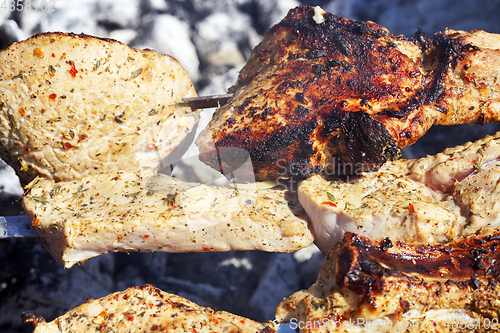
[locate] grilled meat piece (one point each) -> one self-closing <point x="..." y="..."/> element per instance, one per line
<point x="399" y="287"/>
<point x="144" y="309"/>
<point x="432" y="199"/>
<point x="72" y="105"/>
<point x="321" y="91"/>
<point x="77" y="220"/>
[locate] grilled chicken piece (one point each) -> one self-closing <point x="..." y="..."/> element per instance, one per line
<point x="144" y="309"/>
<point x="397" y="287"/>
<point x="321" y="91"/>
<point x="72" y="105"/>
<point x="432" y="199"/>
<point x="77" y="220"/>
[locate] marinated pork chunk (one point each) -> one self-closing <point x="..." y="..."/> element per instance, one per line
<point x="145" y="309"/>
<point x="433" y="199"/>
<point x="370" y="286"/>
<point x="72" y="105"/>
<point x="321" y="89"/>
<point x="79" y="219"/>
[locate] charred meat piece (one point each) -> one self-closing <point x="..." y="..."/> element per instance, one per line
<point x="402" y="288"/>
<point x="144" y="309"/>
<point x="73" y="105"/>
<point x="321" y="90"/>
<point x="432" y="199"/>
<point x="77" y="220"/>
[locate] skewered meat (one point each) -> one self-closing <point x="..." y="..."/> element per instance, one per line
<point x="432" y="199"/>
<point x="321" y="90"/>
<point x="72" y="105"/>
<point x="397" y="287"/>
<point x="145" y="309"/>
<point x="77" y="220"/>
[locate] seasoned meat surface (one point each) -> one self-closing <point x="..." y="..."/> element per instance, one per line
<point x="397" y="287"/>
<point x="324" y="92"/>
<point x="73" y="105"/>
<point x="145" y="309"/>
<point x="432" y="199"/>
<point x="77" y="220"/>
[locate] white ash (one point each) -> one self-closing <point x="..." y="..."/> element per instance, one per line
<point x="170" y="35"/>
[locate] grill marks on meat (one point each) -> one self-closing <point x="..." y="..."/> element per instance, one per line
<point x="145" y="309"/>
<point x="397" y="282"/>
<point x="321" y="91"/>
<point x="432" y="199"/>
<point x="73" y="105"/>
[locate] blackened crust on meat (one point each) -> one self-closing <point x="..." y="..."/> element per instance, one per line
<point x="361" y="278"/>
<point x="361" y="261"/>
<point x="403" y="277"/>
<point x="287" y="148"/>
<point x="368" y="267"/>
<point x="362" y="138"/>
<point x="310" y="86"/>
<point x="336" y="90"/>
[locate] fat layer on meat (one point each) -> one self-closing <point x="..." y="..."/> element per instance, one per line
<point x="385" y="286"/>
<point x="72" y="105"/>
<point x="430" y="200"/>
<point x="77" y="220"/>
<point x="145" y="309"/>
<point x="321" y="89"/>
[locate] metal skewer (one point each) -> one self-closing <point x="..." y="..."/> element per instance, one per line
<point x="203" y="102"/>
<point x="16" y="227"/>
